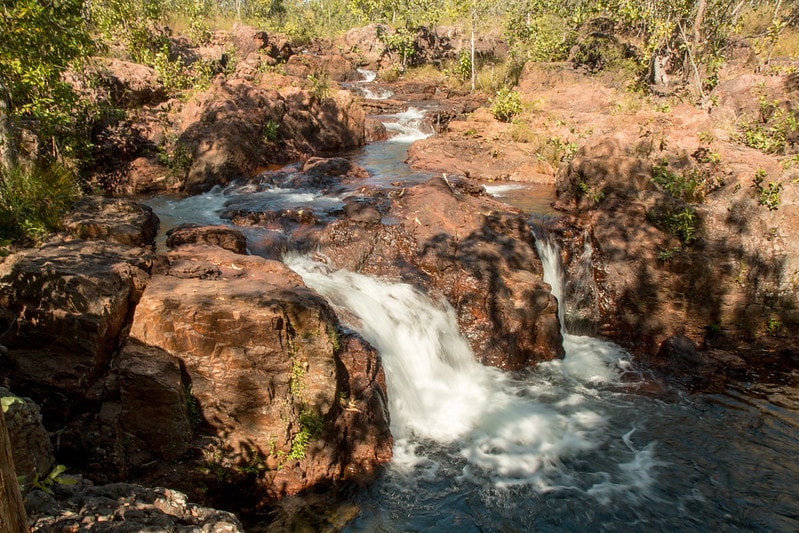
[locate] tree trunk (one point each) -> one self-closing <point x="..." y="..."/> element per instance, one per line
<point x="8" y="147"/>
<point x="697" y="29"/>
<point x="474" y="67"/>
<point x="12" y="510"/>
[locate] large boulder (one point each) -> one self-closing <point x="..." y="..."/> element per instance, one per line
<point x="30" y="442"/>
<point x="63" y="307"/>
<point x="267" y="370"/>
<point x="117" y="220"/>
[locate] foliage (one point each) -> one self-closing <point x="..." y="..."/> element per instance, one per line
<point x="271" y="131"/>
<point x="320" y="85"/>
<point x="691" y="186"/>
<point x="768" y="194"/>
<point x="506" y="104"/>
<point x="33" y="201"/>
<point x="401" y="41"/>
<point x="44" y="484"/>
<point x="7" y="401"/>
<point x="41" y="40"/>
<point x="682" y="224"/>
<point x="771" y="131"/>
<point x="130" y="23"/>
<point x="177" y="156"/>
<point x="311" y="425"/>
<point x="593" y="192"/>
<point x="463" y="69"/>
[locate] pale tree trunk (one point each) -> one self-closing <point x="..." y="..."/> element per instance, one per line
<point x="12" y="510"/>
<point x="474" y="67"/>
<point x="8" y="147"/>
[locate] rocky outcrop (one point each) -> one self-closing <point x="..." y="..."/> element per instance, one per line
<point x="715" y="266"/>
<point x="239" y="125"/>
<point x="116" y="220"/>
<point x="129" y="84"/>
<point x="207" y="369"/>
<point x="445" y="236"/>
<point x="333" y="66"/>
<point x="268" y="371"/>
<point x="123" y="507"/>
<point x="64" y="307"/>
<point x="30" y="443"/>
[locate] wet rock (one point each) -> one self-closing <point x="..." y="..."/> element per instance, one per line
<point x="482" y="261"/>
<point x="362" y="212"/>
<point x="222" y="236"/>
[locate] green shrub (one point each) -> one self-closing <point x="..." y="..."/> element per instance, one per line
<point x="691" y="186"/>
<point x="768" y="194"/>
<point x="33" y="201"/>
<point x="311" y="425"/>
<point x="771" y="131"/>
<point x="506" y="104"/>
<point x="320" y="86"/>
<point x="682" y="224"/>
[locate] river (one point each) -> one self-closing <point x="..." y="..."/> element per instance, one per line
<point x="590" y="443"/>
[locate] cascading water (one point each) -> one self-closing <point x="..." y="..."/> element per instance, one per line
<point x="571" y="446"/>
<point x="370" y="93"/>
<point x="455" y="418"/>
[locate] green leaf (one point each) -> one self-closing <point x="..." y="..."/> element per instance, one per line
<point x="8" y="401"/>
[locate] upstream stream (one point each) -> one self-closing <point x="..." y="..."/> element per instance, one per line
<point x="582" y="444"/>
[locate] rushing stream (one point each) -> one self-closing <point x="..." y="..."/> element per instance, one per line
<point x="582" y="444"/>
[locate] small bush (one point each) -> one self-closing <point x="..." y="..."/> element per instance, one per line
<point x="320" y="86"/>
<point x="506" y="104"/>
<point x="773" y="129"/>
<point x="768" y="193"/>
<point x="690" y="186"/>
<point x="33" y="201"/>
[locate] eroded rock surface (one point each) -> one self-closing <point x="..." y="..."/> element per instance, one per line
<point x="123" y="507"/>
<point x="65" y="305"/>
<point x="446" y="236"/>
<point x="267" y="369"/>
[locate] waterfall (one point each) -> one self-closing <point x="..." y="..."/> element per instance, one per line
<point x="408" y="126"/>
<point x="588" y="358"/>
<point x="507" y="429"/>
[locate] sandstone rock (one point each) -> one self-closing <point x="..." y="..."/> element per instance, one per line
<point x="30" y="443"/>
<point x="335" y="66"/>
<point x="122" y="221"/>
<point x="153" y="400"/>
<point x="224" y="129"/>
<point x="222" y="236"/>
<point x="123" y="507"/>
<point x="268" y="369"/>
<point x="131" y="84"/>
<point x="64" y="306"/>
<point x="484" y="263"/>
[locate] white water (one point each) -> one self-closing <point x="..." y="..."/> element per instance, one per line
<point x="368" y="75"/>
<point x="369" y="93"/>
<point x="506" y="430"/>
<point x="408" y="126"/>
